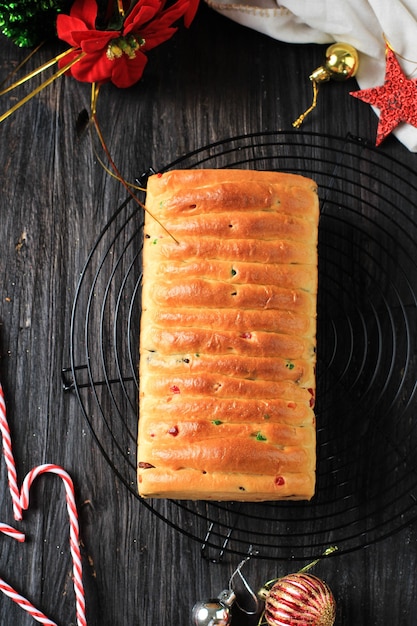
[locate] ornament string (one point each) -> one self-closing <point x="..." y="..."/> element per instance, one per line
<point x="252" y="594"/>
<point x="398" y="55"/>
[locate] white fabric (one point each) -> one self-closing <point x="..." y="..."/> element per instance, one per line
<point x="361" y="23"/>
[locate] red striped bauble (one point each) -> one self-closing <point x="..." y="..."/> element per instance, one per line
<point x="300" y="600"/>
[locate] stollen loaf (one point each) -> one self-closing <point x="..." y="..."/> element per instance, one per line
<point x="228" y="336"/>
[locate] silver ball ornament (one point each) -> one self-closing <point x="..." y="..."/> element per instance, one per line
<point x="215" y="611"/>
<point x="211" y="613"/>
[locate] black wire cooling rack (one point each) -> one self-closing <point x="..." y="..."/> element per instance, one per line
<point x="367" y="352"/>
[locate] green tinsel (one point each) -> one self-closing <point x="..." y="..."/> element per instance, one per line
<point x="28" y="22"/>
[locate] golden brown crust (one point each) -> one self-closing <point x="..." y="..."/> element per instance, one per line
<point x="284" y="322"/>
<point x="223" y="387"/>
<point x="198" y="430"/>
<point x="190" y="484"/>
<point x="227" y="379"/>
<point x="269" y="226"/>
<point x="235" y="455"/>
<point x="239" y="273"/>
<point x="198" y="191"/>
<point x="256" y="251"/>
<point x="232" y="365"/>
<point x="237" y="410"/>
<point x="223" y="295"/>
<point x="226" y="342"/>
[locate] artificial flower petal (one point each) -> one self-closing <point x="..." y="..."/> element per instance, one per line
<point x="125" y="74"/>
<point x="190" y="13"/>
<point x="68" y="27"/>
<point x="96" y="41"/>
<point x="142" y="13"/>
<point x="85" y="11"/>
<point x="119" y="55"/>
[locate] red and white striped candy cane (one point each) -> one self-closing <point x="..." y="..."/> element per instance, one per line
<point x="21" y="502"/>
<point x="9" y="458"/>
<point x="12" y="532"/>
<point x="12" y="593"/>
<point x="74" y="528"/>
<point x="25" y="604"/>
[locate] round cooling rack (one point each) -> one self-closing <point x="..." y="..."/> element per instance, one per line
<point x="366" y="347"/>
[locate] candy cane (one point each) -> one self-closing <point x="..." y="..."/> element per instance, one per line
<point x="11" y="532"/>
<point x="25" y="604"/>
<point x="9" y="458"/>
<point x="21" y="502"/>
<point x="74" y="529"/>
<point x="11" y="593"/>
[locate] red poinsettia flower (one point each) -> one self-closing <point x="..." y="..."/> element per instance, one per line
<point x="118" y="56"/>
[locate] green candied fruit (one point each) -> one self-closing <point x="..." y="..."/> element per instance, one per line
<point x="259" y="436"/>
<point x="233" y="272"/>
<point x="155" y="241"/>
<point x="267" y="416"/>
<point x="217" y="422"/>
<point x="290" y="365"/>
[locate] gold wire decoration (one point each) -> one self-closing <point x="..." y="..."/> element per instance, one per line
<point x="95" y="90"/>
<point x="116" y="174"/>
<point x="42" y="86"/>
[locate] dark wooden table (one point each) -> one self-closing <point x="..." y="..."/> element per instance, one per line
<point x="216" y="80"/>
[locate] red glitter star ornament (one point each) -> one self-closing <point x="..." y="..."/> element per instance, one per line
<point x="396" y="98"/>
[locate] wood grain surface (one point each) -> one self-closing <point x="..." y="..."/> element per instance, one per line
<point x="214" y="81"/>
